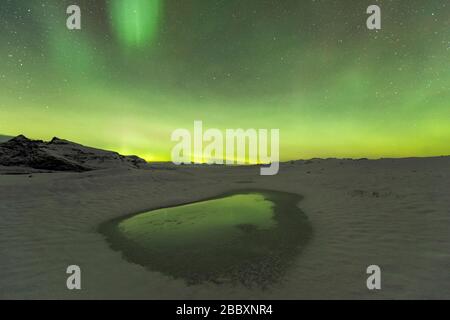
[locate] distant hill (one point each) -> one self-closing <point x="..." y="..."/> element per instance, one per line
<point x="61" y="155"/>
<point x="4" y="138"/>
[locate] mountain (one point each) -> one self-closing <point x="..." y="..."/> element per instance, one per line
<point x="61" y="155"/>
<point x="4" y="138"/>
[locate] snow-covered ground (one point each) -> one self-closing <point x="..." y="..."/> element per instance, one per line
<point x="392" y="213"/>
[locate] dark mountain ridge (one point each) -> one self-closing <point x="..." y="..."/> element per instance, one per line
<point x="61" y="155"/>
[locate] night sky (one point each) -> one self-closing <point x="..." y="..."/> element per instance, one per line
<point x="139" y="69"/>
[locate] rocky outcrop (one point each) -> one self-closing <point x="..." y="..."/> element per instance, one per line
<point x="61" y="155"/>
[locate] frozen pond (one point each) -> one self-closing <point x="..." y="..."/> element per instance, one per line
<point x="246" y="237"/>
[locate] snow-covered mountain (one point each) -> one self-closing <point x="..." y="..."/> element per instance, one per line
<point x="61" y="155"/>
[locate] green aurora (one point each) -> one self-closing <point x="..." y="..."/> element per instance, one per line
<point x="137" y="71"/>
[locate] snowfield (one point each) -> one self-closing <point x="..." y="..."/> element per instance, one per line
<point x="394" y="213"/>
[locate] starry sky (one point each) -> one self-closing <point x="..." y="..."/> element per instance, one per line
<point x="139" y="69"/>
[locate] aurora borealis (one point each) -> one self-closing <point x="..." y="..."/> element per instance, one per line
<point x="139" y="69"/>
<point x="135" y="22"/>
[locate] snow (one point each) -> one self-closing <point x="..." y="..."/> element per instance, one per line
<point x="391" y="212"/>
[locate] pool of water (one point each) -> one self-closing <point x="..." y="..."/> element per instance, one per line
<point x="246" y="237"/>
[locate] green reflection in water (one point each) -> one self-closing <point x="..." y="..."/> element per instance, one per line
<point x="247" y="237"/>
